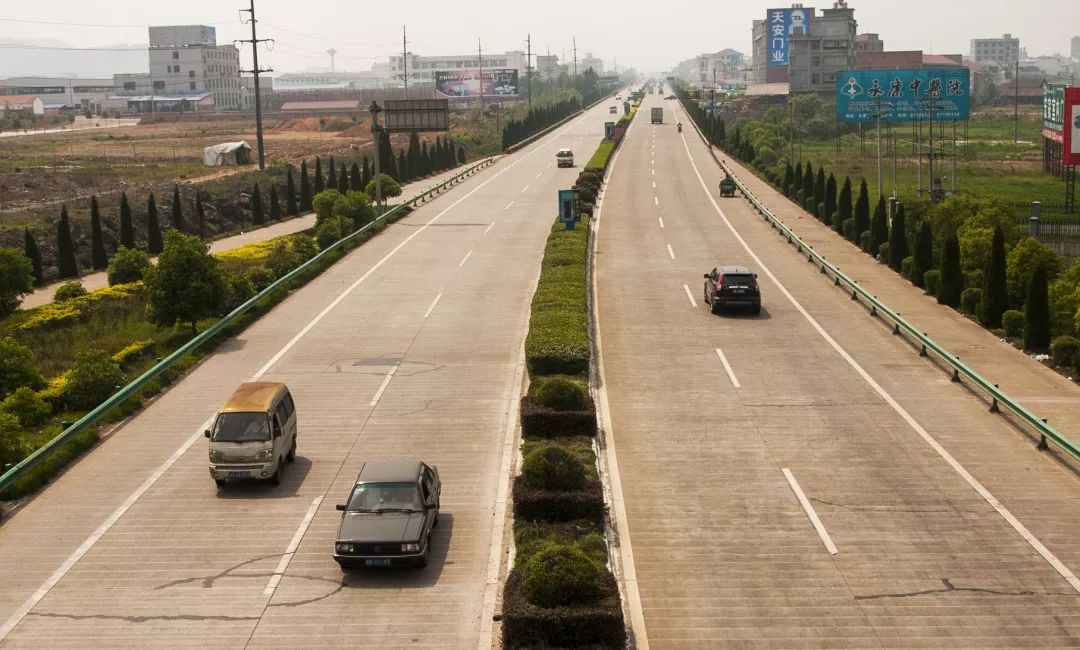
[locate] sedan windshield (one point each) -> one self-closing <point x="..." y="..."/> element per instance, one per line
<point x="241" y="427"/>
<point x="376" y="497"/>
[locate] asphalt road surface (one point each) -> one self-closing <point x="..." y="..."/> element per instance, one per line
<point x="409" y="347"/>
<point x="803" y="478"/>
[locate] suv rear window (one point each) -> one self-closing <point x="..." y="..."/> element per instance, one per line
<point x="738" y="281"/>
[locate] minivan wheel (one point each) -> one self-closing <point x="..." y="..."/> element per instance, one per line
<point x="291" y="456"/>
<point x="276" y="478"/>
<point x="220" y="482"/>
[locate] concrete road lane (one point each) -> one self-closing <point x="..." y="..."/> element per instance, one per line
<point x="135" y="546"/>
<point x="736" y="434"/>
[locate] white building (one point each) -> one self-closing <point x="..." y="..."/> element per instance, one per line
<point x="18" y="103"/>
<point x="548" y="67"/>
<point x="424" y="67"/>
<point x="1004" y="50"/>
<point x="186" y="60"/>
<point x="72" y="93"/>
<point x="590" y="61"/>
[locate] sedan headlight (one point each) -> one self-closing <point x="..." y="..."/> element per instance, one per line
<point x="217" y="456"/>
<point x="410" y="548"/>
<point x="342" y="547"/>
<point x="264" y="454"/>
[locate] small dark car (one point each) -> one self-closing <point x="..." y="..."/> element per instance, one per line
<point x="389" y="515"/>
<point x="732" y="286"/>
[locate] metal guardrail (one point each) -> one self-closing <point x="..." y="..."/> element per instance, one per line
<point x="90" y="419"/>
<point x="960" y="370"/>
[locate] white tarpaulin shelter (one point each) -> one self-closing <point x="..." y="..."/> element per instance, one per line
<point x="227" y="153"/>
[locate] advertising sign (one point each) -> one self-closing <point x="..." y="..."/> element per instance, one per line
<point x="609" y="129"/>
<point x="1071" y="153"/>
<point x="568" y="212"/>
<point x="417" y="114"/>
<point x="903" y="95"/>
<point x="1054" y="107"/>
<point x="780" y="26"/>
<point x="465" y="84"/>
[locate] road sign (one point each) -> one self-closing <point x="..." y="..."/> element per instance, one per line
<point x="903" y="95"/>
<point x="609" y="129"/>
<point x="781" y="25"/>
<point x="568" y="207"/>
<point x="1071" y="152"/>
<point x="417" y="115"/>
<point x="1054" y="107"/>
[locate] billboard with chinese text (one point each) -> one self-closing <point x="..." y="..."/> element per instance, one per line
<point x="780" y="26"/>
<point x="1054" y="107"/>
<point x="466" y="84"/>
<point x="903" y="95"/>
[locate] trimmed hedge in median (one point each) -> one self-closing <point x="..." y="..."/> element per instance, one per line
<point x="599" y="623"/>
<point x="558" y="340"/>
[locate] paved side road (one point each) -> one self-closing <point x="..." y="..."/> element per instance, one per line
<point x="99" y="280"/>
<point x="803" y="479"/>
<point x="410" y="346"/>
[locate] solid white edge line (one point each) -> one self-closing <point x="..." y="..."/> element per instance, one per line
<point x="727" y="367"/>
<point x="693" y="303"/>
<point x="618" y="502"/>
<point x="809" y="510"/>
<point x="508" y="205"/>
<point x="115" y="516"/>
<point x="430" y="309"/>
<point x="490" y="226"/>
<point x="465" y="259"/>
<point x="385" y="383"/>
<point x="1022" y="530"/>
<point x="670" y="252"/>
<point x="661" y="219"/>
<point x="290" y="550"/>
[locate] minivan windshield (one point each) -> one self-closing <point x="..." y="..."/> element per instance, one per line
<point x="564" y="153"/>
<point x="380" y="497"/>
<point x="241" y="427"/>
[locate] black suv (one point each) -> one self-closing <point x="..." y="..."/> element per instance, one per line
<point x="389" y="515"/>
<point x="732" y="286"/>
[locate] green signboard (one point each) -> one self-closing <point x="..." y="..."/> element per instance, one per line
<point x="1054" y="107"/>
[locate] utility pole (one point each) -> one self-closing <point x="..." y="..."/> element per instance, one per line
<point x="930" y="116"/>
<point x="575" y="56"/>
<point x="528" y="65"/>
<point x="405" y="61"/>
<point x="255" y="70"/>
<point x="376" y="131"/>
<point x="480" y="62"/>
<point x="1016" y="103"/>
<point x="881" y="191"/>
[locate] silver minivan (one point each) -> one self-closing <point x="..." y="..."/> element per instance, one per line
<point x="564" y="158"/>
<point x="254" y="434"/>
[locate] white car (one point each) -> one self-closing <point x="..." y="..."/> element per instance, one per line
<point x="564" y="158"/>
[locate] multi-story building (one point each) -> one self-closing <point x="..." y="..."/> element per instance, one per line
<point x="1075" y="48"/>
<point x="815" y="59"/>
<point x="71" y="93"/>
<point x="1004" y="50"/>
<point x="590" y="61"/>
<point x="548" y="67"/>
<point x="424" y="67"/>
<point x="869" y="43"/>
<point x="186" y="59"/>
<point x="720" y="68"/>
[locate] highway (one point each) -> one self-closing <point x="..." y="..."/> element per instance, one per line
<point x="409" y="347"/>
<point x="803" y="478"/>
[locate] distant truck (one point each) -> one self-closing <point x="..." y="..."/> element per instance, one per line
<point x="658" y="115"/>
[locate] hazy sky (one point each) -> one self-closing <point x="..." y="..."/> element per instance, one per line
<point x="651" y="35"/>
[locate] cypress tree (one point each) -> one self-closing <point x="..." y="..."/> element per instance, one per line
<point x="862" y="212"/>
<point x="331" y="176"/>
<point x="154" y="244"/>
<point x="797" y="180"/>
<point x="200" y="214"/>
<point x="355" y="180"/>
<point x="275" y="206"/>
<point x="952" y="278"/>
<point x="257" y="216"/>
<point x="924" y="254"/>
<point x="343" y="179"/>
<point x="830" y="198"/>
<point x="290" y="195"/>
<point x="844" y="208"/>
<point x="808" y="184"/>
<point x="65" y="247"/>
<point x="318" y="185"/>
<point x="414" y="155"/>
<point x="819" y="188"/>
<point x="879" y="230"/>
<point x="34" y="255"/>
<point x="461" y="155"/>
<point x="789" y="178"/>
<point x="365" y="172"/>
<point x="127" y="228"/>
<point x="995" y="295"/>
<point x="425" y="160"/>
<point x="305" y="187"/>
<point x="177" y="210"/>
<point x="99" y="258"/>
<point x="1037" y="312"/>
<point x="898" y="244"/>
<point x="403" y="167"/>
<point x="386" y="157"/>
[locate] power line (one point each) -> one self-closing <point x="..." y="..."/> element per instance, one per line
<point x="14" y="46"/>
<point x="324" y="39"/>
<point x="52" y="22"/>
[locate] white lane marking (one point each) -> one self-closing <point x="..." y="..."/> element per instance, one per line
<point x="656" y="200"/>
<point x="115" y="516"/>
<point x="549" y="165"/>
<point x="430" y="309"/>
<point x="465" y="259"/>
<point x="525" y="189"/>
<point x="654" y="172"/>
<point x="290" y="550"/>
<point x="661" y="220"/>
<point x="693" y="303"/>
<point x="540" y="174"/>
<point x="385" y="383"/>
<point x="1022" y="530"/>
<point x="727" y="367"/>
<point x="654" y="185"/>
<point x="818" y="526"/>
<point x="508" y="205"/>
<point x="652" y="162"/>
<point x="490" y="226"/>
<point x="670" y="252"/>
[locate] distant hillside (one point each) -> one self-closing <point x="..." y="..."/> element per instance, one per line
<point x="16" y="62"/>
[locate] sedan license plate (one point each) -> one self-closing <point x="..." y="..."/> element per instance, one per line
<point x="739" y="292"/>
<point x="239" y="474"/>
<point x="377" y="562"/>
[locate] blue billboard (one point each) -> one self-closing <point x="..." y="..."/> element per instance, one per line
<point x="903" y="95"/>
<point x="780" y="25"/>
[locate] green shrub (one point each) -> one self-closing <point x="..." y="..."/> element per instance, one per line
<point x="562" y="575"/>
<point x="587" y="195"/>
<point x="970" y="299"/>
<point x="17" y="273"/>
<point x="12" y="447"/>
<point x="16" y="367"/>
<point x="864" y="241"/>
<point x="238" y="290"/>
<point x="69" y="291"/>
<point x="304" y="247"/>
<point x="127" y="266"/>
<point x="390" y="187"/>
<point x="282" y="259"/>
<point x="561" y="394"/>
<point x="800" y="198"/>
<point x="94" y="377"/>
<point x="551" y="467"/>
<point x="1012" y="321"/>
<point x="260" y="277"/>
<point x="883" y="253"/>
<point x="932" y="281"/>
<point x="1076" y="365"/>
<point x="27" y="406"/>
<point x="323" y="203"/>
<point x="849" y="229"/>
<point x="558" y="339"/>
<point x="328" y="234"/>
<point x="906" y="265"/>
<point x="1064" y="349"/>
<point x="601" y="158"/>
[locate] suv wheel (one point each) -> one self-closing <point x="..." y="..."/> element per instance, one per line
<point x="291" y="456"/>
